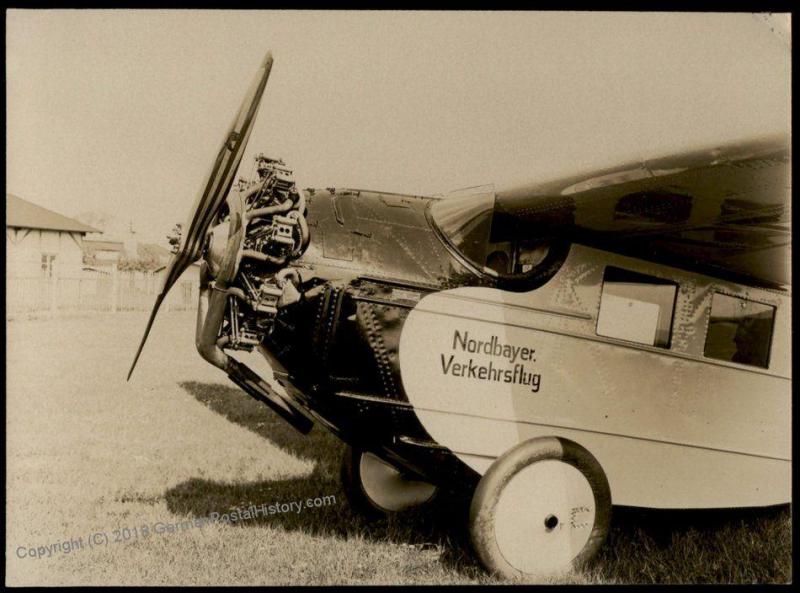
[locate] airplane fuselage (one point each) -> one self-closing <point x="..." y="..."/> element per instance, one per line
<point x="400" y="348"/>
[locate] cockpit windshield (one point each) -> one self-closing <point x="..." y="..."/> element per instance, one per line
<point x="465" y="219"/>
<point x="470" y="222"/>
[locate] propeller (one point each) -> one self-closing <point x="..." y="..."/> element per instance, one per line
<point x="213" y="192"/>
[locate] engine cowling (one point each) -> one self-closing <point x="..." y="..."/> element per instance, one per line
<point x="275" y="235"/>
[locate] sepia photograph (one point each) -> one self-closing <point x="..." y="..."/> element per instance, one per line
<point x="329" y="297"/>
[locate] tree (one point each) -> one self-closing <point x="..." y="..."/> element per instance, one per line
<point x="141" y="263"/>
<point x="174" y="237"/>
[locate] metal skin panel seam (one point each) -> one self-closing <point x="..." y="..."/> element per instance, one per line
<point x="429" y="395"/>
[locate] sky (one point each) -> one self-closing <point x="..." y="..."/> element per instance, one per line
<point x="123" y="111"/>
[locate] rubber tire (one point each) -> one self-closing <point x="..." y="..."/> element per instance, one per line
<point x="500" y="473"/>
<point x="359" y="500"/>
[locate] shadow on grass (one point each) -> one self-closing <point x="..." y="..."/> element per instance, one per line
<point x="443" y="526"/>
<point x="644" y="546"/>
<point x="696" y="546"/>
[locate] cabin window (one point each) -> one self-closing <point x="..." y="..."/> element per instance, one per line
<point x="636" y="307"/>
<point x="495" y="244"/>
<point x="515" y="258"/>
<point x="739" y="330"/>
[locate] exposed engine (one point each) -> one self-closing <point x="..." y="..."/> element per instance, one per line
<point x="276" y="233"/>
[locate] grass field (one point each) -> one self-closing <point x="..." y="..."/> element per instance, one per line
<point x="88" y="453"/>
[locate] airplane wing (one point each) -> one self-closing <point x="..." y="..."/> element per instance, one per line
<point x="724" y="211"/>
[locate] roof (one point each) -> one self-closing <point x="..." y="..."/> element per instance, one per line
<point x="154" y="250"/>
<point x="103" y="245"/>
<point x="27" y="215"/>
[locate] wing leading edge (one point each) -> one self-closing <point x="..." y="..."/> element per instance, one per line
<point x="724" y="211"/>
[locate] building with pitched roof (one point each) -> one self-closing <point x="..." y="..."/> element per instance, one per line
<point x="102" y="253"/>
<point x="42" y="243"/>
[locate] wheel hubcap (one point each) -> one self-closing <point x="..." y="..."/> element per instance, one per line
<point x="544" y="517"/>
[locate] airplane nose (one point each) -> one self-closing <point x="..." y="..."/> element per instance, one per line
<point x="215" y="252"/>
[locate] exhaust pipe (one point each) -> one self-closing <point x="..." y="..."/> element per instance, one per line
<point x="210" y="314"/>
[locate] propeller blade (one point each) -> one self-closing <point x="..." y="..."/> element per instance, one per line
<point x="214" y="190"/>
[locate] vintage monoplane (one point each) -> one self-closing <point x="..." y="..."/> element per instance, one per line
<point x="621" y="335"/>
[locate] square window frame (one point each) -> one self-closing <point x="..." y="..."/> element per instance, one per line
<point x="727" y="293"/>
<point x="636" y="273"/>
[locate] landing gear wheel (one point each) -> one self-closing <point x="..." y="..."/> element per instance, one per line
<point x="375" y="488"/>
<point x="541" y="510"/>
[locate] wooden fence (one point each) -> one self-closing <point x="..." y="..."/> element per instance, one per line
<point x="96" y="292"/>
